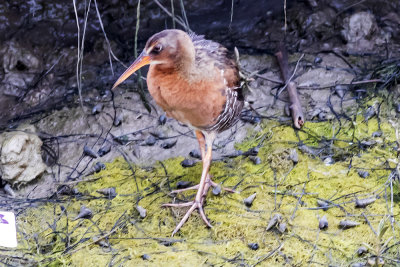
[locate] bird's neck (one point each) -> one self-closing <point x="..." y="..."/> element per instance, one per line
<point x="185" y="61"/>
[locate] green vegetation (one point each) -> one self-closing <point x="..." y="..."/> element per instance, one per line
<point x="52" y="236"/>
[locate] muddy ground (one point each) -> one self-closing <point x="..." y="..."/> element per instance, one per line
<point x="344" y="66"/>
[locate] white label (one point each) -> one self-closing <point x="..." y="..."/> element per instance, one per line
<point x="8" y="232"/>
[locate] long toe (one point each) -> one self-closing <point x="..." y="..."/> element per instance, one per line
<point x="195" y="205"/>
<point x="178" y="205"/>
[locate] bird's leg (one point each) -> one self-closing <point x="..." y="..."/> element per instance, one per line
<point x="199" y="199"/>
<point x="209" y="182"/>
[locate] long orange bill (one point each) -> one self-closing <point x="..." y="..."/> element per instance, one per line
<point x="141" y="61"/>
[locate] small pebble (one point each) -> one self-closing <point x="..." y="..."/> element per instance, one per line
<point x="329" y="161"/>
<point x="9" y="191"/>
<point x="167" y="243"/>
<point x="252" y="151"/>
<point x="377" y="134"/>
<point x="358" y="264"/>
<point x="158" y="134"/>
<point x="168" y="144"/>
<point x="162" y="119"/>
<point x="84" y="213"/>
<point x="369" y="113"/>
<point x="146" y="257"/>
<point x="183" y="184"/>
<point x="322" y="116"/>
<point x="100" y="242"/>
<point x="150" y="140"/>
<point x="188" y="163"/>
<point x="249" y="200"/>
<point x="118" y="120"/>
<point x="317" y="60"/>
<point x="375" y="261"/>
<point x="109" y="192"/>
<point x="97" y="109"/>
<point x="362" y="203"/>
<point x="142" y="211"/>
<point x="323" y="223"/>
<point x="324" y="205"/>
<point x="87" y="151"/>
<point x="367" y="143"/>
<point x="361" y="251"/>
<point x="104" y="150"/>
<point x="255" y="160"/>
<point x="253" y="246"/>
<point x="282" y="227"/>
<point x="274" y="220"/>
<point x="363" y="174"/>
<point x="195" y="154"/>
<point x="346" y="224"/>
<point x="217" y="190"/>
<point x="341" y="89"/>
<point x="98" y="167"/>
<point x="294" y="156"/>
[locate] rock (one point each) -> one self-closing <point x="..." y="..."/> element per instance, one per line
<point x="20" y="155"/>
<point x="253" y="246"/>
<point x="255" y="160"/>
<point x="329" y="161"/>
<point x="84" y="213"/>
<point x="363" y="174"/>
<point x="361" y="32"/>
<point x="217" y="190"/>
<point x="195" y="154"/>
<point x="162" y="119"/>
<point x="317" y="60"/>
<point x="104" y="150"/>
<point x="277" y="218"/>
<point x="377" y="134"/>
<point x="322" y="204"/>
<point x="98" y="167"/>
<point x="249" y="200"/>
<point x="169" y="143"/>
<point x="341" y="90"/>
<point x="183" y="184"/>
<point x="146" y="257"/>
<point x="142" y="211"/>
<point x="361" y="251"/>
<point x="118" y="120"/>
<point x="362" y="203"/>
<point x="282" y="227"/>
<point x="188" y="163"/>
<point x="109" y="192"/>
<point x="87" y="151"/>
<point x="150" y="141"/>
<point x="323" y="223"/>
<point x="294" y="156"/>
<point x="97" y="109"/>
<point x="346" y="224"/>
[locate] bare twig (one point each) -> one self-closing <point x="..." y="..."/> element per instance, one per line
<point x="295" y="105"/>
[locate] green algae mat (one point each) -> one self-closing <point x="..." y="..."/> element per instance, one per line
<point x="346" y="173"/>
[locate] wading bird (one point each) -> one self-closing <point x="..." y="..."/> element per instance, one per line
<point x="196" y="82"/>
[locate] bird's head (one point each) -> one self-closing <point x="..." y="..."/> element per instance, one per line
<point x="169" y="49"/>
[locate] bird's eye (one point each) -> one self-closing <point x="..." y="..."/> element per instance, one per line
<point x="157" y="48"/>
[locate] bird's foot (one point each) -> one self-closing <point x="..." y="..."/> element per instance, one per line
<point x="194" y="205"/>
<point x="209" y="183"/>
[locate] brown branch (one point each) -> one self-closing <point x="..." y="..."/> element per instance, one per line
<point x="295" y="105"/>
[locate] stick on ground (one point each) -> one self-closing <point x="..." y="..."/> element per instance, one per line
<point x="295" y="105"/>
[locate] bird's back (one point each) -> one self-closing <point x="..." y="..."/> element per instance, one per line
<point x="209" y="52"/>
